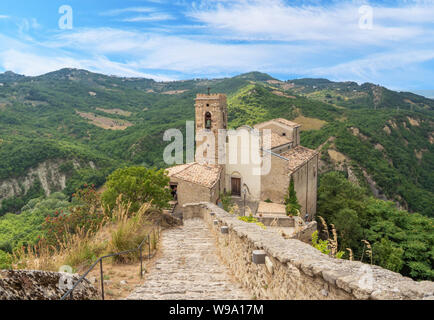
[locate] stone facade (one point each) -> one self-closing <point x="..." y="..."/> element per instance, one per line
<point x="275" y="184"/>
<point x="194" y="192"/>
<point x="216" y="106"/>
<point x="296" y="270"/>
<point x="239" y="152"/>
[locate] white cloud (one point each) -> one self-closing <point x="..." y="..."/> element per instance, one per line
<point x="35" y="60"/>
<point x="276" y="38"/>
<point x="180" y="54"/>
<point x="276" y="20"/>
<point x="376" y="65"/>
<point x="116" y="12"/>
<point x="148" y="18"/>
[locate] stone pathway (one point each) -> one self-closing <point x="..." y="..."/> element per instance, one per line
<point x="189" y="269"/>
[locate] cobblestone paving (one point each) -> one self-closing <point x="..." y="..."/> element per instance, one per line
<point x="189" y="269"/>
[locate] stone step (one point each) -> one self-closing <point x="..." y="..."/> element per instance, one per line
<point x="189" y="269"/>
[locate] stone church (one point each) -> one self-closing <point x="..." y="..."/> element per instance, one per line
<point x="205" y="181"/>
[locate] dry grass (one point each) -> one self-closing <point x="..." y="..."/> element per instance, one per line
<point x="367" y="248"/>
<point x="309" y="123"/>
<point x="333" y="245"/>
<point x="122" y="231"/>
<point x="350" y="252"/>
<point x="104" y="122"/>
<point x="115" y="111"/>
<point x="172" y="92"/>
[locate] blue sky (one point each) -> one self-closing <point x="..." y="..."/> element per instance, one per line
<point x="181" y="39"/>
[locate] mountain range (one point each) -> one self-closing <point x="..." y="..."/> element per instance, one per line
<point x="70" y="127"/>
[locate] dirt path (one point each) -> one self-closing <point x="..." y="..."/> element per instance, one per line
<point x="189" y="269"/>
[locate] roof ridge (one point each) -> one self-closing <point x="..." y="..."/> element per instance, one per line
<point x="187" y="165"/>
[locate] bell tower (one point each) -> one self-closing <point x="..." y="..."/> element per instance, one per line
<point x="211" y="116"/>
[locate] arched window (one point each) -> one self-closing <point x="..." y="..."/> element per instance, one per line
<point x="207" y="120"/>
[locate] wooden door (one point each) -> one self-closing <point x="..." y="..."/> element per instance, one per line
<point x="236" y="186"/>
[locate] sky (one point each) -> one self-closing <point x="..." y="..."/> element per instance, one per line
<point x="385" y="42"/>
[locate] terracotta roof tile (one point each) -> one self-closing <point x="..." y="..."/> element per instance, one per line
<point x="278" y="140"/>
<point x="202" y="174"/>
<point x="298" y="156"/>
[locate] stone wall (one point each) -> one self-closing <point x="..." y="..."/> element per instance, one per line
<point x="274" y="185"/>
<point x="42" y="285"/>
<point x="296" y="270"/>
<point x="189" y="192"/>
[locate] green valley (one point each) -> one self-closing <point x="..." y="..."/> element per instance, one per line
<point x="69" y="128"/>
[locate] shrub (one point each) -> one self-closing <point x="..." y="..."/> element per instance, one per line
<point x="5" y="260"/>
<point x="292" y="206"/>
<point x="86" y="215"/>
<point x="226" y="200"/>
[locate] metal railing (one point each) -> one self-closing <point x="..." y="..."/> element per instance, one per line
<point x="146" y="240"/>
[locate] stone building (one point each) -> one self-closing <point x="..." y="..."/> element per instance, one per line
<point x="221" y="168"/>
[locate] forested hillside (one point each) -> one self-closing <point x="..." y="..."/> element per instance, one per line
<point x="72" y="128"/>
<point x="102" y="122"/>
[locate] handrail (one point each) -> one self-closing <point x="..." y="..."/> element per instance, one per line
<point x="147" y="240"/>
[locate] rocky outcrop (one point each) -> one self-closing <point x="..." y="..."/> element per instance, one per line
<point x="47" y="173"/>
<point x="42" y="285"/>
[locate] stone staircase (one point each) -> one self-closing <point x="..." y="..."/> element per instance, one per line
<point x="171" y="209"/>
<point x="189" y="268"/>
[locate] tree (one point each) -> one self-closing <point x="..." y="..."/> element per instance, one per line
<point x="137" y="185"/>
<point x="388" y="256"/>
<point x="292" y="206"/>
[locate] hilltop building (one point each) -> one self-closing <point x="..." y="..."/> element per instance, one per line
<point x="205" y="180"/>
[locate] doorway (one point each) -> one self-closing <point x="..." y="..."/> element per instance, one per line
<point x="174" y="191"/>
<point x="236" y="187"/>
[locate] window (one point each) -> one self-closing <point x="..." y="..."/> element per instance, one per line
<point x="208" y="120"/>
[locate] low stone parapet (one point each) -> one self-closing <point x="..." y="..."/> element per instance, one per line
<point x="296" y="270"/>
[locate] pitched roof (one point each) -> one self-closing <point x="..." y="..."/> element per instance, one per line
<point x="287" y="122"/>
<point x="201" y="174"/>
<point x="278" y="140"/>
<point x="298" y="156"/>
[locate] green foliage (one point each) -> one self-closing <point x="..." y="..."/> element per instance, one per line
<point x="387" y="255"/>
<point x="324" y="246"/>
<point x="292" y="207"/>
<point x="27" y="227"/>
<point x="398" y="173"/>
<point x="5" y="260"/>
<point x="251" y="219"/>
<point x="321" y="245"/>
<point x="137" y="185"/>
<point x="400" y="240"/>
<point x="86" y="176"/>
<point x="60" y="133"/>
<point x="84" y="215"/>
<point x="248" y="219"/>
<point x="226" y="200"/>
<point x="256" y="103"/>
<point x="15" y="204"/>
